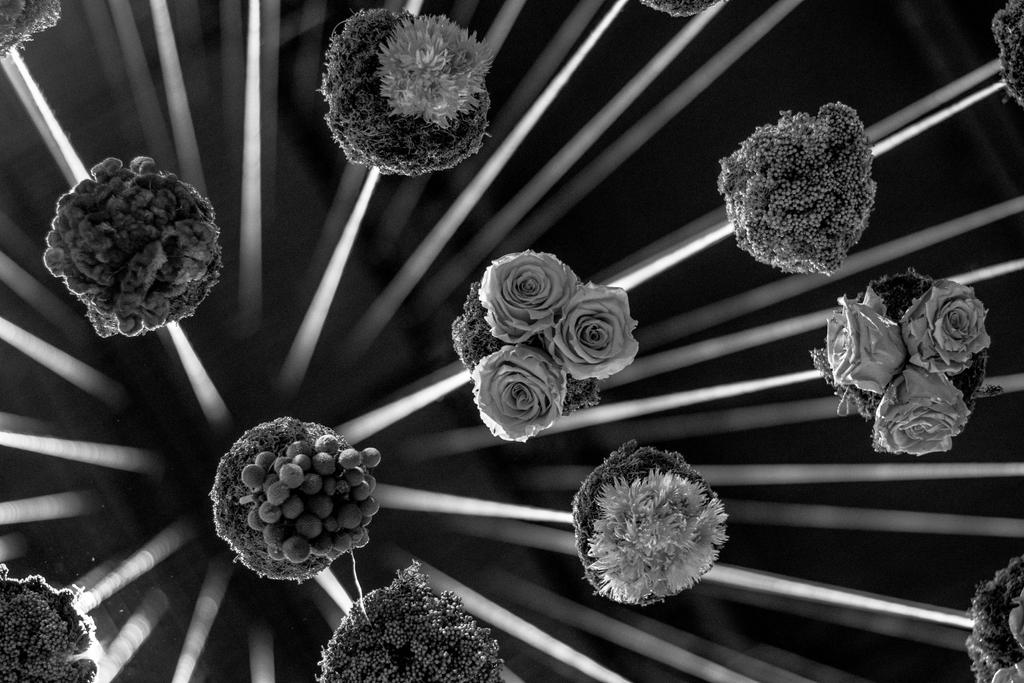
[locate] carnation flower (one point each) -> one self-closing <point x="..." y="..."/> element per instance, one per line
<point x="405" y="633"/>
<point x="290" y="497"/>
<point x="525" y="293"/>
<point x="920" y="413"/>
<point x="405" y="95"/>
<point x="864" y="347"/>
<point x="992" y="644"/>
<point x="594" y="338"/>
<point x="19" y="19"/>
<point x="136" y="245"/>
<point x="433" y="69"/>
<point x="945" y="327"/>
<point x="799" y="192"/>
<point x="43" y="633"/>
<point x="680" y="8"/>
<point x="647" y="526"/>
<point x="519" y="391"/>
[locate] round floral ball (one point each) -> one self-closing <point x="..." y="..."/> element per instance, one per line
<point x="647" y="525"/>
<point x="996" y="643"/>
<point x="19" y="19"/>
<point x="910" y="354"/>
<point x="799" y="192"/>
<point x="405" y="94"/>
<point x="404" y="632"/>
<point x="44" y="636"/>
<point x="136" y="245"/>
<point x="1007" y="29"/>
<point x="290" y="497"/>
<point x="680" y="8"/>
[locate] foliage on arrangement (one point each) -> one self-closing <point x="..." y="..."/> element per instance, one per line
<point x="19" y="19"/>
<point x="647" y="525"/>
<point x="536" y="341"/>
<point x="910" y="354"/>
<point x="136" y="245"/>
<point x="291" y="497"/>
<point x="680" y="8"/>
<point x="1008" y="30"/>
<point x="407" y="634"/>
<point x="996" y="643"/>
<point x="799" y="193"/>
<point x="405" y="94"/>
<point x="43" y="635"/>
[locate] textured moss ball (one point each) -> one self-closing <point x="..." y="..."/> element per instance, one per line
<point x="898" y="292"/>
<point x="799" y="192"/>
<point x="991" y="646"/>
<point x="410" y="635"/>
<point x="290" y="497"/>
<point x="43" y="635"/>
<point x="472" y="341"/>
<point x="672" y="525"/>
<point x="136" y="245"/>
<point x="19" y="19"/>
<point x="363" y="122"/>
<point x="680" y="8"/>
<point x="1008" y="30"/>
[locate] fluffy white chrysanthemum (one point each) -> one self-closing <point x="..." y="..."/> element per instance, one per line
<point x="656" y="535"/>
<point x="434" y="69"/>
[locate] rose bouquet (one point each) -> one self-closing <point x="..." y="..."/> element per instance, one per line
<point x="910" y="354"/>
<point x="537" y="340"/>
<point x="996" y="643"/>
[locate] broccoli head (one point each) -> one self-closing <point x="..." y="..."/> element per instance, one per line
<point x="991" y="645"/>
<point x="799" y="192"/>
<point x="1008" y="30"/>
<point x="647" y="525"/>
<point x="137" y="246"/>
<point x="43" y="635"/>
<point x="405" y="94"/>
<point x="410" y="635"/>
<point x="680" y="8"/>
<point x="291" y="497"/>
<point x="19" y="19"/>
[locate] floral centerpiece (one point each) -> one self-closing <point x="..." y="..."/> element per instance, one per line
<point x="536" y="340"/>
<point x="910" y="354"/>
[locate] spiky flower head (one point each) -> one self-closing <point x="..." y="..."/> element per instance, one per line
<point x="647" y="525"/>
<point x="656" y="536"/>
<point x="434" y="69"/>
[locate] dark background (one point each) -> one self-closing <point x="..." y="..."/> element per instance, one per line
<point x="876" y="56"/>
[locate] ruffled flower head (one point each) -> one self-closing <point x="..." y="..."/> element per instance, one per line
<point x="433" y="69"/>
<point x="647" y="525"/>
<point x="137" y="246"/>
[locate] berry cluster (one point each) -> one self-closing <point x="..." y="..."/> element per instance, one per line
<point x="311" y="498"/>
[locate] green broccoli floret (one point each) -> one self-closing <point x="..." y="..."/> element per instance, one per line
<point x="991" y="645"/>
<point x="42" y="633"/>
<point x="1008" y="30"/>
<point x="472" y="340"/>
<point x="136" y="245"/>
<point x="680" y="8"/>
<point x="799" y="192"/>
<point x="411" y="635"/>
<point x="389" y="108"/>
<point x="19" y="19"/>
